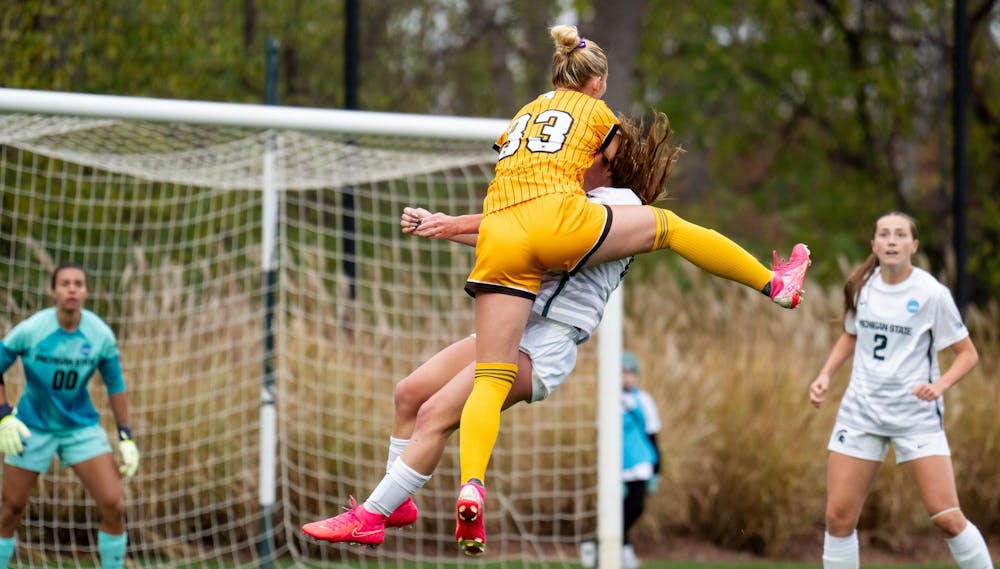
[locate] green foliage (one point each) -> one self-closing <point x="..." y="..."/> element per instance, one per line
<point x="802" y="121"/>
<point x="810" y="121"/>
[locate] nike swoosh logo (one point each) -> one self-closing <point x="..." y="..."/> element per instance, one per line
<point x="356" y="533"/>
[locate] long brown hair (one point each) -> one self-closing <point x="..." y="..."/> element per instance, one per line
<point x="864" y="271"/>
<point x="644" y="159"/>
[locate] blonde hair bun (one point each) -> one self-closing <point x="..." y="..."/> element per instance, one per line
<point x="566" y="37"/>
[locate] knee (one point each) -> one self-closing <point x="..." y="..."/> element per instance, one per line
<point x="950" y="521"/>
<point x="112" y="509"/>
<point x="11" y="512"/>
<point x="407" y="398"/>
<point x="432" y="418"/>
<point x="840" y="521"/>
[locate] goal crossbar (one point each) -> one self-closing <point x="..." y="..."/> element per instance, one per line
<point x="250" y="115"/>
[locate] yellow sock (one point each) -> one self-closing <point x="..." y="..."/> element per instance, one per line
<point x="481" y="417"/>
<point x="708" y="249"/>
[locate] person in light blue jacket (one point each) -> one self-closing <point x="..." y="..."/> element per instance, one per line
<point x="60" y="349"/>
<point x="640" y="452"/>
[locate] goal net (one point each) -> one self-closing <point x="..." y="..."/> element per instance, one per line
<point x="258" y="265"/>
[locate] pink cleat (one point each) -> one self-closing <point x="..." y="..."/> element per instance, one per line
<point x="404" y="515"/>
<point x="356" y="525"/>
<point x="470" y="528"/>
<point x="788" y="276"/>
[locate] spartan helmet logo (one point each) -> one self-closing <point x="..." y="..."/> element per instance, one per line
<point x="841" y="435"/>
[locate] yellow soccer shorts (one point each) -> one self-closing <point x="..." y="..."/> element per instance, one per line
<point x="518" y="244"/>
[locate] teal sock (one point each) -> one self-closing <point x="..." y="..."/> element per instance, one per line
<point x="112" y="549"/>
<point x="6" y="551"/>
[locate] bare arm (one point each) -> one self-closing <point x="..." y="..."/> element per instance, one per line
<point x="842" y="349"/>
<point x="462" y="229"/>
<point x="966" y="358"/>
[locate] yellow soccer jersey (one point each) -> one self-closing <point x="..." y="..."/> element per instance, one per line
<point x="548" y="146"/>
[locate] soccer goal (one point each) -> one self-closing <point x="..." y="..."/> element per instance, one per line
<point x="251" y="262"/>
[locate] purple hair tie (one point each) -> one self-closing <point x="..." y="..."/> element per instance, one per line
<point x="583" y="43"/>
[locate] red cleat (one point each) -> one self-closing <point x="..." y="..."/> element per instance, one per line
<point x="404" y="515"/>
<point x="788" y="276"/>
<point x="356" y="525"/>
<point x="470" y="527"/>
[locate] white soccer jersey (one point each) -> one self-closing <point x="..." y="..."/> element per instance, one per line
<point x="900" y="328"/>
<point x="579" y="299"/>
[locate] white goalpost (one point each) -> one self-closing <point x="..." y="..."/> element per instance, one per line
<point x="250" y="260"/>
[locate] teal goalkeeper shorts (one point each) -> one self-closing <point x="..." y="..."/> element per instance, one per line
<point x="72" y="446"/>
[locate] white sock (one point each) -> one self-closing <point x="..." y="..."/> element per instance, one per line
<point x="969" y="549"/>
<point x="396" y="486"/>
<point x="841" y="552"/>
<point x="396" y="447"/>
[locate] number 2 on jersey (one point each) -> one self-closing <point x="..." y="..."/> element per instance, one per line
<point x="880" y="342"/>
<point x="555" y="125"/>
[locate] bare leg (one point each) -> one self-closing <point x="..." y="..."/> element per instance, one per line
<point x="641" y="229"/>
<point x="18" y="484"/>
<point x="500" y="322"/>
<point x="101" y="479"/>
<point x="417" y="388"/>
<point x="633" y="228"/>
<point x="848" y="481"/>
<point x="440" y="415"/>
<point x="935" y="479"/>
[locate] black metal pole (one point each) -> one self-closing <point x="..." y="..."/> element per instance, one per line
<point x="352" y="39"/>
<point x="351" y="47"/>
<point x="960" y="127"/>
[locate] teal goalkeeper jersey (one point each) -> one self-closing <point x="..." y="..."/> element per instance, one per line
<point x="57" y="367"/>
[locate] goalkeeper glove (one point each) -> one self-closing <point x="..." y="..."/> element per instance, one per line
<point x="12" y="431"/>
<point x="128" y="452"/>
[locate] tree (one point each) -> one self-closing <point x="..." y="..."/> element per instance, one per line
<point x="802" y="121"/>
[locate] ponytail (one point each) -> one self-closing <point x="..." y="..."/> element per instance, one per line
<point x="854" y="283"/>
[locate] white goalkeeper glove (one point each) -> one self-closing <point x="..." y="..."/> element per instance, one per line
<point x="128" y="452"/>
<point x="12" y="431"/>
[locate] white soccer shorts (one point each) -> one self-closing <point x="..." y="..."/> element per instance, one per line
<point x="867" y="446"/>
<point x="552" y="348"/>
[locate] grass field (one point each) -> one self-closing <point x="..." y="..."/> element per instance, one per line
<point x="681" y="565"/>
<point x="508" y="565"/>
<point x="760" y="565"/>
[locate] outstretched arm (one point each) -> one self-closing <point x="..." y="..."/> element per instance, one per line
<point x="462" y="229"/>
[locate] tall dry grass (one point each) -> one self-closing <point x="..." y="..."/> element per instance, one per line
<point x="745" y="452"/>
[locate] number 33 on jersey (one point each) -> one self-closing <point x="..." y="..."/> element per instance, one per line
<point x="547" y="147"/>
